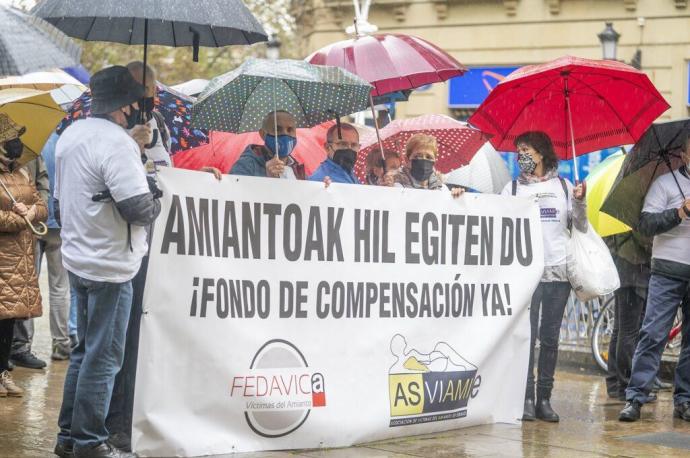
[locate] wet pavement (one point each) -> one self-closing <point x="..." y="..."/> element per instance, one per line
<point x="588" y="427"/>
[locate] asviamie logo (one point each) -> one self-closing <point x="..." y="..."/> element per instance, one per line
<point x="279" y="389"/>
<point x="433" y="386"/>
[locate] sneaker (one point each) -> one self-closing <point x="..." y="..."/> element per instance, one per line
<point x="64" y="450"/>
<point x="120" y="441"/>
<point x="631" y="412"/>
<point x="103" y="450"/>
<point x="28" y="360"/>
<point x="12" y="389"/>
<point x="658" y="385"/>
<point x="60" y="353"/>
<point x="682" y="411"/>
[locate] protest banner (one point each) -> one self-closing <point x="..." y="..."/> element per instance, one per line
<point x="282" y="315"/>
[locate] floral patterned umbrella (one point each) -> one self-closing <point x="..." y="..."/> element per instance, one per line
<point x="239" y="101"/>
<point x="175" y="108"/>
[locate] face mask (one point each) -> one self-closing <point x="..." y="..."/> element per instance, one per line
<point x="13" y="149"/>
<point x="345" y="158"/>
<point x="149" y="103"/>
<point x="526" y="164"/>
<point x="285" y="145"/>
<point x="421" y="169"/>
<point x="132" y="118"/>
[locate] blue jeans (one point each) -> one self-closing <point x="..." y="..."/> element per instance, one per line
<point x="665" y="295"/>
<point x="72" y="324"/>
<point x="102" y="315"/>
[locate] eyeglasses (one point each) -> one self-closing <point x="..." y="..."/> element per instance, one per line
<point x="341" y="144"/>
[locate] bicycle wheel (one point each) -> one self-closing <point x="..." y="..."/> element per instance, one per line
<point x="601" y="335"/>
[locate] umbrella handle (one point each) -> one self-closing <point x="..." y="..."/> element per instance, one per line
<point x="378" y="133"/>
<point x="41" y="230"/>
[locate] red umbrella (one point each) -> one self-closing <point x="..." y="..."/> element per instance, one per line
<point x="390" y="62"/>
<point x="225" y="148"/>
<point x="457" y="142"/>
<point x="599" y="103"/>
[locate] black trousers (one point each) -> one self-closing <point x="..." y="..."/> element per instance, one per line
<point x="550" y="298"/>
<point x="119" y="419"/>
<point x="629" y="310"/>
<point x="6" y="333"/>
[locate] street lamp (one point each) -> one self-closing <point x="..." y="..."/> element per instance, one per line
<point x="609" y="41"/>
<point x="273" y="48"/>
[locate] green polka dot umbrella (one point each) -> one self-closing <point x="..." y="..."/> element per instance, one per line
<point x="238" y="101"/>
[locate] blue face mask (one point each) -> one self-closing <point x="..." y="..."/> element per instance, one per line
<point x="286" y="144"/>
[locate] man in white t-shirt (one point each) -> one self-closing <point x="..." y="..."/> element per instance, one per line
<point x="119" y="420"/>
<point x="666" y="216"/>
<point x="103" y="202"/>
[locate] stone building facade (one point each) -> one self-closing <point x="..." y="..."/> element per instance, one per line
<point x="502" y="34"/>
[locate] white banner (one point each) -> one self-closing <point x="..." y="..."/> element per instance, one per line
<point x="282" y="315"/>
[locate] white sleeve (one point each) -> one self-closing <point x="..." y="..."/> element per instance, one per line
<point x="124" y="173"/>
<point x="656" y="200"/>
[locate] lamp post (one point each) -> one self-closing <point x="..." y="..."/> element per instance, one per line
<point x="609" y="42"/>
<point x="273" y="48"/>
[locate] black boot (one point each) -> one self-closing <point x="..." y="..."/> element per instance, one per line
<point x="545" y="412"/>
<point x="528" y="412"/>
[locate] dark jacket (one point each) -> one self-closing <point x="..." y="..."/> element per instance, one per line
<point x="253" y="160"/>
<point x="632" y="254"/>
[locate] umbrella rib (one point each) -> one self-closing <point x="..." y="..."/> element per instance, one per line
<point x="93" y="21"/>
<point x="213" y="35"/>
<point x="46" y="107"/>
<point x="605" y="101"/>
<point x="246" y="101"/>
<point x="510" y="126"/>
<point x="300" y="104"/>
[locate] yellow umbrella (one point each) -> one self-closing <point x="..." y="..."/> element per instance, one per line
<point x="42" y="81"/>
<point x="37" y="111"/>
<point x="599" y="183"/>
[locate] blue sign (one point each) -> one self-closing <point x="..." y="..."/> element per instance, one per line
<point x="470" y="89"/>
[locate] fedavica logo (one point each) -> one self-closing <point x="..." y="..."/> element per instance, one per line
<point x="433" y="386"/>
<point x="279" y="390"/>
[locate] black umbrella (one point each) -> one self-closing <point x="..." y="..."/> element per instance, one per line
<point x="212" y="23"/>
<point x="29" y="44"/>
<point x="658" y="152"/>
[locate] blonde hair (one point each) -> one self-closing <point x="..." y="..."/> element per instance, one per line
<point x="421" y="141"/>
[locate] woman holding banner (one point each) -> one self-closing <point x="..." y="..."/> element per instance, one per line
<point x="419" y="173"/>
<point x="561" y="206"/>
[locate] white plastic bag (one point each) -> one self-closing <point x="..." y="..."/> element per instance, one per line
<point x="591" y="270"/>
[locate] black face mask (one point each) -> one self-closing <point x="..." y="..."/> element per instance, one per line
<point x="421" y="169"/>
<point x="13" y="149"/>
<point x="149" y="103"/>
<point x="345" y="158"/>
<point x="132" y="118"/>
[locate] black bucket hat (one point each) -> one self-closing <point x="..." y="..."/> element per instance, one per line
<point x="113" y="88"/>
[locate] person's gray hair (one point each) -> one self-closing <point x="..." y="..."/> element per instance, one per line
<point x="343" y="126"/>
<point x="137" y="67"/>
